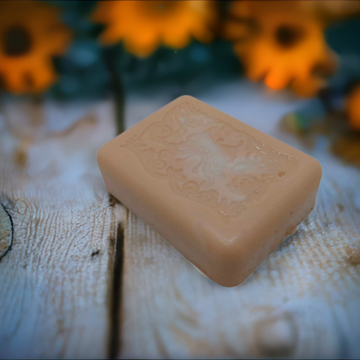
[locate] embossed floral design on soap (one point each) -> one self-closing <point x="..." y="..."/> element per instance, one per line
<point x="206" y="160"/>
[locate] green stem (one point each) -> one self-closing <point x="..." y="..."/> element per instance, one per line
<point x="118" y="91"/>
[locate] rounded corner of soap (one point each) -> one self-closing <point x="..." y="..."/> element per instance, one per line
<point x="232" y="279"/>
<point x="317" y="168"/>
<point x="185" y="98"/>
<point x="99" y="154"/>
<point x="229" y="284"/>
<point x="103" y="155"/>
<point x="228" y="252"/>
<point x="312" y="168"/>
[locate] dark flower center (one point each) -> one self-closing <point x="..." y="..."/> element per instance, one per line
<point x="17" y="41"/>
<point x="287" y="36"/>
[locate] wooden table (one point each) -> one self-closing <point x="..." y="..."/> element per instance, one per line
<point x="84" y="277"/>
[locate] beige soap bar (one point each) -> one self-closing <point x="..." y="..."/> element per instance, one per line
<point x="222" y="193"/>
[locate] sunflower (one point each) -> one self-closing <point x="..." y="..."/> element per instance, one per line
<point x="30" y="34"/>
<point x="144" y="25"/>
<point x="352" y="107"/>
<point x="282" y="43"/>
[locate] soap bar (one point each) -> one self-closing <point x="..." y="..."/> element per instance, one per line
<point x="222" y="193"/>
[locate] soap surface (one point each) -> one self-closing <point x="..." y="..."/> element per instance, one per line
<point x="222" y="193"/>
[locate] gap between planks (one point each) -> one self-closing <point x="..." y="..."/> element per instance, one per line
<point x="115" y="285"/>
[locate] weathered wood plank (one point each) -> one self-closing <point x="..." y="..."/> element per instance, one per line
<point x="303" y="301"/>
<point x="56" y="281"/>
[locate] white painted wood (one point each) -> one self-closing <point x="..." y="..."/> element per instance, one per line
<point x="55" y="281"/>
<point x="303" y="301"/>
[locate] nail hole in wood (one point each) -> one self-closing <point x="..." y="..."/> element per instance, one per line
<point x="95" y="253"/>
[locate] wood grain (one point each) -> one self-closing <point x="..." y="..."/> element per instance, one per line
<point x="303" y="301"/>
<point x="56" y="281"/>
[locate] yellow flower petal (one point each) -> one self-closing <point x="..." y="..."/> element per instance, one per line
<point x="307" y="87"/>
<point x="277" y="80"/>
<point x="236" y="30"/>
<point x="42" y="77"/>
<point x="142" y="45"/>
<point x="284" y="44"/>
<point x="14" y="82"/>
<point x="26" y="67"/>
<point x="176" y="39"/>
<point x="352" y="108"/>
<point x="144" y="25"/>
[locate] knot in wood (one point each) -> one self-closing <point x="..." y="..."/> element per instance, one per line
<point x="276" y="337"/>
<point x="6" y="233"/>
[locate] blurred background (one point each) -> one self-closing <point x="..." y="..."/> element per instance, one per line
<point x="291" y="50"/>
